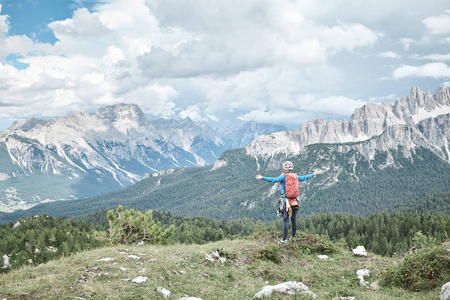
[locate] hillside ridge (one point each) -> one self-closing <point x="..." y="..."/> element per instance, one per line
<point x="238" y="269"/>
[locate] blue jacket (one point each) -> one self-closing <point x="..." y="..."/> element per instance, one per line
<point x="282" y="178"/>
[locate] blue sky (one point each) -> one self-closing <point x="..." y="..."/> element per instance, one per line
<point x="220" y="62"/>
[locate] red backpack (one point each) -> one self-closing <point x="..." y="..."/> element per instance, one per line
<point x="292" y="184"/>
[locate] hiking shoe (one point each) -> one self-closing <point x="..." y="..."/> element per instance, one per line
<point x="284" y="242"/>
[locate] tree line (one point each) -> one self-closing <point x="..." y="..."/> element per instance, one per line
<point x="41" y="238"/>
<point x="382" y="233"/>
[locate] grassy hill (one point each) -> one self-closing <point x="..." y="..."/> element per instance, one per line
<point x="184" y="270"/>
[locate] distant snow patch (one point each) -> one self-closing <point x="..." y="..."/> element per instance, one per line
<point x="4" y="176"/>
<point x="423" y="114"/>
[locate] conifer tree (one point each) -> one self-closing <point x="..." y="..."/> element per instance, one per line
<point x="127" y="227"/>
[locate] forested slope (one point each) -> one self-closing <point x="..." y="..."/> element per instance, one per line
<point x="350" y="184"/>
<point x="431" y="204"/>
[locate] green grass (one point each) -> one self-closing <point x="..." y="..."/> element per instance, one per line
<point x="185" y="271"/>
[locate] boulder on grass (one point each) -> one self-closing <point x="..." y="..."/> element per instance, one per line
<point x="290" y="288"/>
<point x="359" y="251"/>
<point x="445" y="292"/>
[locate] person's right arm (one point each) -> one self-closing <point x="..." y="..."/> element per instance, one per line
<point x="273" y="179"/>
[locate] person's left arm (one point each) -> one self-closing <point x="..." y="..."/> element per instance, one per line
<point x="306" y="177"/>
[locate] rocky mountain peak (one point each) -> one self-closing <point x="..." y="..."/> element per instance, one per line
<point x="27" y="125"/>
<point x="187" y="123"/>
<point x="122" y="115"/>
<point x="442" y="96"/>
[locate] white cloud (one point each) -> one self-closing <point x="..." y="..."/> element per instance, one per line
<point x="83" y="34"/>
<point x="433" y="70"/>
<point x="4" y="24"/>
<point x="193" y="112"/>
<point x="220" y="39"/>
<point x="406" y="42"/>
<point x="348" y="36"/>
<point x="154" y="99"/>
<point x="302" y="109"/>
<point x="389" y="54"/>
<point x="256" y="60"/>
<point x="438" y="24"/>
<point x="113" y="56"/>
<point x="380" y="99"/>
<point x="437" y="57"/>
<point x="276" y="116"/>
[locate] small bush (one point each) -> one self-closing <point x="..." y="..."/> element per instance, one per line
<point x="270" y="252"/>
<point x="226" y="254"/>
<point x="423" y="270"/>
<point x="313" y="243"/>
<point x="421" y="240"/>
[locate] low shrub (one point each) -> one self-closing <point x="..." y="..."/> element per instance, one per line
<point x="269" y="252"/>
<point x="313" y="243"/>
<point x="424" y="270"/>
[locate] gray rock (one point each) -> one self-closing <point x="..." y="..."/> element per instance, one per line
<point x="445" y="292"/>
<point x="375" y="285"/>
<point x="359" y="251"/>
<point x="215" y="254"/>
<point x="5" y="261"/>
<point x="290" y="288"/>
<point x="165" y="293"/>
<point x="361" y="274"/>
<point x="140" y="279"/>
<point x="105" y="259"/>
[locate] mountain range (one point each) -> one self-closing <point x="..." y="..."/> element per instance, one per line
<point x="385" y="156"/>
<point x="82" y="155"/>
<point x="417" y="120"/>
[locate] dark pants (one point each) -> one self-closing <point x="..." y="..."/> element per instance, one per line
<point x="286" y="225"/>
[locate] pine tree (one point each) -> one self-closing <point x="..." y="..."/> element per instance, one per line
<point x="130" y="227"/>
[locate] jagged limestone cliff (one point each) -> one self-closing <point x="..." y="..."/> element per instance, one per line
<point x="419" y="119"/>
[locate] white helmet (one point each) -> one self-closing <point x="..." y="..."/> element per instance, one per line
<point x="288" y="165"/>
